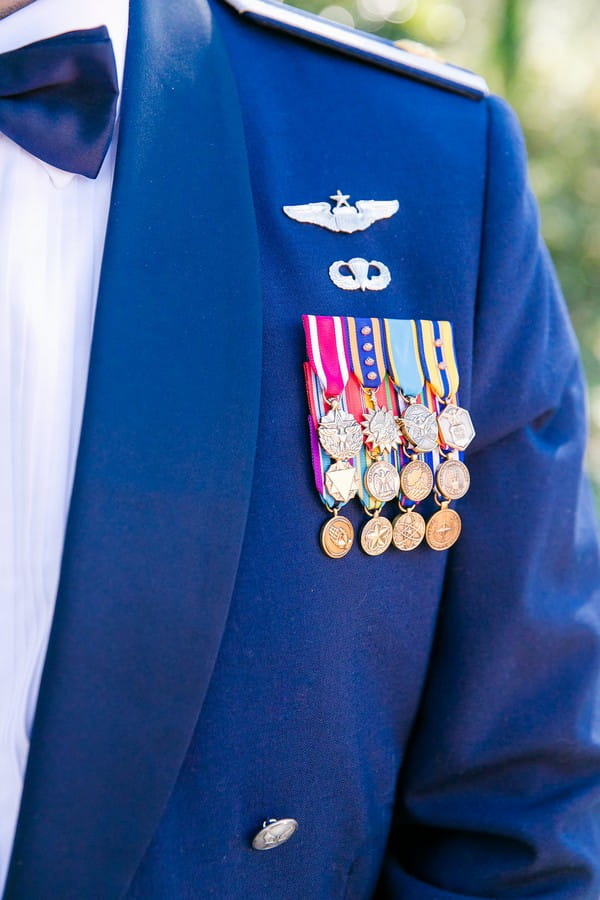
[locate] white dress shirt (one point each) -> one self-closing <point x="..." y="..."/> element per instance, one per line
<point x="52" y="230"/>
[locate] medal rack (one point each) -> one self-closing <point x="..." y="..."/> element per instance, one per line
<point x="386" y="427"/>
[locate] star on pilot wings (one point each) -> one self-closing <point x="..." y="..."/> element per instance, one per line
<point x="343" y="217"/>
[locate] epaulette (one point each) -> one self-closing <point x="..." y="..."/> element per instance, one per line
<point x="368" y="47"/>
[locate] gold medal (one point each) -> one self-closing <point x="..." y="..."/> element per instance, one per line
<point x="416" y="480"/>
<point x="382" y="480"/>
<point x="443" y="529"/>
<point x="341" y="481"/>
<point x="453" y="479"/>
<point x="456" y="427"/>
<point x="337" y="536"/>
<point x="376" y="535"/>
<point x="419" y="426"/>
<point x="408" y="530"/>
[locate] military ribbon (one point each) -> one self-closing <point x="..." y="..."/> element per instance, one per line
<point x="436" y="345"/>
<point x="438" y="357"/>
<point x="416" y="472"/>
<point x="366" y="351"/>
<point x="436" y="348"/>
<point x="326" y="347"/>
<point x="402" y="348"/>
<point x="380" y="481"/>
<point x="338" y="437"/>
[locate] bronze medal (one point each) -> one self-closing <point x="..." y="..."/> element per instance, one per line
<point x="382" y="480"/>
<point x="453" y="479"/>
<point x="337" y="537"/>
<point x="443" y="529"/>
<point x="376" y="536"/>
<point x="416" y="480"/>
<point x="408" y="530"/>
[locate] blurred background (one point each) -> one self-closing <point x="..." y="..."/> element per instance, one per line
<point x="544" y="57"/>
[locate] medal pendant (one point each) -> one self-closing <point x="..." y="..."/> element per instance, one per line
<point x="381" y="430"/>
<point x="455" y="426"/>
<point x="408" y="530"/>
<point x="420" y="427"/>
<point x="382" y="480"/>
<point x="443" y="529"/>
<point x="337" y="537"/>
<point x="376" y="536"/>
<point x="341" y="481"/>
<point x="416" y="480"/>
<point x="453" y="479"/>
<point x="340" y="434"/>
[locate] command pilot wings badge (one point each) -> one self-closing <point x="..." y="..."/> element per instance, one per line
<point x="343" y="217"/>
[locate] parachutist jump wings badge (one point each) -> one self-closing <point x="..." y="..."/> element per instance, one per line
<point x="343" y="217"/>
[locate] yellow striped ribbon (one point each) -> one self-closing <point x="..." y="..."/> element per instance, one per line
<point x="436" y="344"/>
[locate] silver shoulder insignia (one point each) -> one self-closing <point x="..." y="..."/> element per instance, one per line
<point x="343" y="217"/>
<point x="368" y="47"/>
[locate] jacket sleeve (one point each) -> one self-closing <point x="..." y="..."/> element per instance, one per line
<point x="500" y="789"/>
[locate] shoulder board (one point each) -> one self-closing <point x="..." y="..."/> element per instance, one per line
<point x="368" y="47"/>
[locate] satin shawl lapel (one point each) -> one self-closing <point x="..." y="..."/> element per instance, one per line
<point x="164" y="470"/>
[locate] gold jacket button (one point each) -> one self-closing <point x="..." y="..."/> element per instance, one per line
<point x="273" y="833"/>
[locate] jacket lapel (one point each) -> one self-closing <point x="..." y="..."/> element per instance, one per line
<point x="164" y="469"/>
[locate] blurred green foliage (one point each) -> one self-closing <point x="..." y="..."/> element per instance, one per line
<point x="545" y="59"/>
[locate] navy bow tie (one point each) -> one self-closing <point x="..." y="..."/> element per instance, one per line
<point x="58" y="99"/>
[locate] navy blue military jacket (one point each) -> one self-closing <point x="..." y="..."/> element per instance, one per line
<point x="427" y="718"/>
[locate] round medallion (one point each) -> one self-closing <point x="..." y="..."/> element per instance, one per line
<point x="381" y="430"/>
<point x="443" y="529"/>
<point x="340" y="434"/>
<point x="419" y="426"/>
<point x="456" y="427"/>
<point x="408" y="530"/>
<point x="341" y="481"/>
<point x="416" y="480"/>
<point x="382" y="480"/>
<point x="376" y="536"/>
<point x="337" y="536"/>
<point x="453" y="479"/>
